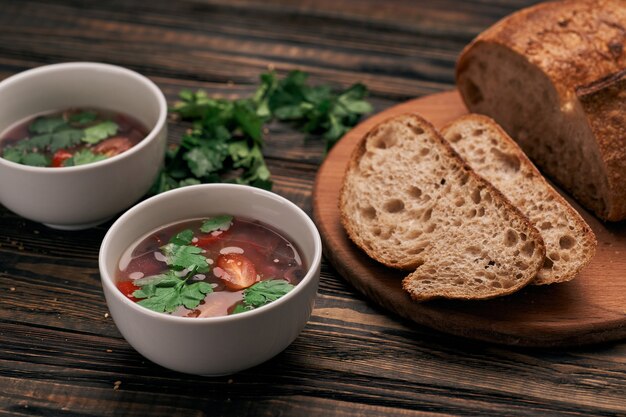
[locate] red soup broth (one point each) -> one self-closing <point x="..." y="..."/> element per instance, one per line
<point x="245" y="254"/>
<point x="70" y="137"/>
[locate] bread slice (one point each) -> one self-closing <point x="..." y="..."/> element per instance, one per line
<point x="553" y="75"/>
<point x="410" y="202"/>
<point x="492" y="154"/>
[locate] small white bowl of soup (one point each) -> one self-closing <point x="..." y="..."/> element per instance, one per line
<point x="79" y="142"/>
<point x="211" y="279"/>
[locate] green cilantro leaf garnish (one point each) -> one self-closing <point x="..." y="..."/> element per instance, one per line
<point x="192" y="294"/>
<point x="35" y="159"/>
<point x="150" y="284"/>
<point x="82" y="157"/>
<point x="182" y="238"/>
<point x="213" y="224"/>
<point x="65" y="138"/>
<point x="185" y="257"/>
<point x="46" y="124"/>
<point x="101" y="131"/>
<point x="262" y="293"/>
<point x="225" y="141"/>
<point x="37" y="142"/>
<point x="83" y="118"/>
<point x="165" y="299"/>
<point x="12" y="154"/>
<point x="240" y="308"/>
<point x="166" y="292"/>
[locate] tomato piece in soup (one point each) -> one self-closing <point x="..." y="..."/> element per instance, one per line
<point x="113" y="146"/>
<point x="236" y="271"/>
<point x="59" y="158"/>
<point x="128" y="288"/>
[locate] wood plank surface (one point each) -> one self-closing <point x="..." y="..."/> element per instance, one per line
<point x="589" y="309"/>
<point x="61" y="354"/>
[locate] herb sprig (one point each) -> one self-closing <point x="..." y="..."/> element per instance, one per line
<point x="166" y="292"/>
<point x="225" y="141"/>
<point x="312" y="109"/>
<point x="261" y="293"/>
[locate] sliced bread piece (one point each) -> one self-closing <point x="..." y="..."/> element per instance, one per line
<point x="492" y="154"/>
<point x="410" y="202"/>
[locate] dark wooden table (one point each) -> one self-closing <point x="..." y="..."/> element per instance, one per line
<point x="60" y="353"/>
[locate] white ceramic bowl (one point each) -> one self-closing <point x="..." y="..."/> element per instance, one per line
<point x="216" y="345"/>
<point x="82" y="196"/>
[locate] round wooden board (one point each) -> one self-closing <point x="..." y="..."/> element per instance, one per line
<point x="589" y="309"/>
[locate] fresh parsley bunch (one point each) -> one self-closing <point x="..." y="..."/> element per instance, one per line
<point x="225" y="141"/>
<point x="313" y="109"/>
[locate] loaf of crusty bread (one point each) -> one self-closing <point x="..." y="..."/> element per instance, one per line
<point x="492" y="154"/>
<point x="554" y="76"/>
<point x="410" y="202"/>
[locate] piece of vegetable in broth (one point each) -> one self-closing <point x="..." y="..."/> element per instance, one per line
<point x="236" y="270"/>
<point x="225" y="141"/>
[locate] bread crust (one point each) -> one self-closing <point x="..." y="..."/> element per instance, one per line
<point x="604" y="104"/>
<point x="562" y="38"/>
<point x="580" y="47"/>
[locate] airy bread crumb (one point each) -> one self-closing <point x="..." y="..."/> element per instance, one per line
<point x="410" y="202"/>
<point x="491" y="153"/>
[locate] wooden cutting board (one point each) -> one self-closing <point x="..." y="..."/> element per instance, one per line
<point x="589" y="309"/>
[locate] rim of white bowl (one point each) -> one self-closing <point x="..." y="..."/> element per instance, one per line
<point x="162" y="119"/>
<point x="315" y="260"/>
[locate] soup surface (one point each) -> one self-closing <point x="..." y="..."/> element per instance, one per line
<point x="210" y="267"/>
<point x="70" y="137"/>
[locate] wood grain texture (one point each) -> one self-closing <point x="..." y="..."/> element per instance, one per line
<point x="589" y="309"/>
<point x="61" y="355"/>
